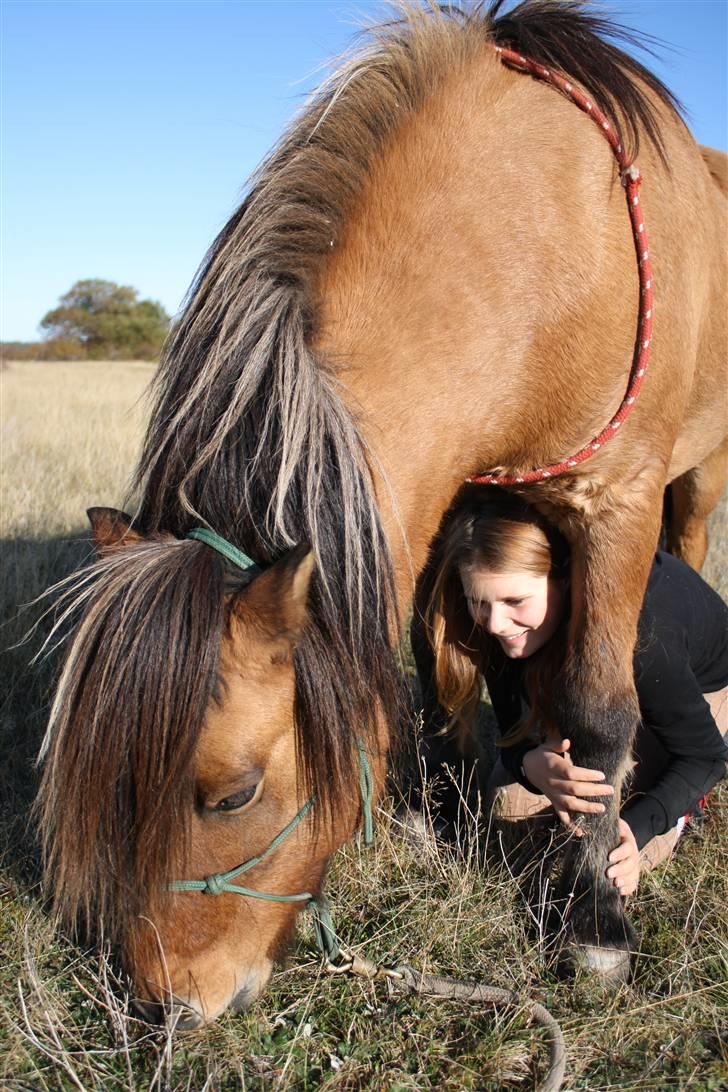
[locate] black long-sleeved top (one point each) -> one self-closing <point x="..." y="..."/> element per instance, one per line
<point x="681" y="654"/>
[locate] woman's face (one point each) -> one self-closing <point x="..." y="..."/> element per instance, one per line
<point x="520" y="610"/>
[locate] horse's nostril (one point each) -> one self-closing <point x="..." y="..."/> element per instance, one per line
<point x="176" y="1015"/>
<point x="186" y="1019"/>
<point x="150" y="1011"/>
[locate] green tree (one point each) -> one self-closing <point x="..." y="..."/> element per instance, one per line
<point x="106" y="321"/>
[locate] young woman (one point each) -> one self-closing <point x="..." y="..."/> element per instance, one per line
<point x="498" y="610"/>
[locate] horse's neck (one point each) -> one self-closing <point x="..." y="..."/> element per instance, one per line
<point x="435" y="305"/>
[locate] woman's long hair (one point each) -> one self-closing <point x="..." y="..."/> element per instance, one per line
<point x="500" y="532"/>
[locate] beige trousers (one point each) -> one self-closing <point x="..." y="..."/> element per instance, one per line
<point x="512" y="803"/>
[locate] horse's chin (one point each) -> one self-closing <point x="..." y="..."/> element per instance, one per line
<point x="186" y="1014"/>
<point x="244" y="994"/>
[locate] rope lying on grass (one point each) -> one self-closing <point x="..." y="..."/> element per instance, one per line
<point x="414" y="981"/>
<point x="419" y="982"/>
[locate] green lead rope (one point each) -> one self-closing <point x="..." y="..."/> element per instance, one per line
<point x="324" y="933"/>
<point x="366" y="788"/>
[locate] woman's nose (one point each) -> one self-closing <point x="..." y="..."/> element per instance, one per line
<point x="494" y="619"/>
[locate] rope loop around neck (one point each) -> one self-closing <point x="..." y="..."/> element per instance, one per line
<point x="631" y="181"/>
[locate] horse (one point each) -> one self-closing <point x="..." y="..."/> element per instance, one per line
<point x="432" y="275"/>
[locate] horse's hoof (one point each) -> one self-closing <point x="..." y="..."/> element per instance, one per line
<point x="611" y="965"/>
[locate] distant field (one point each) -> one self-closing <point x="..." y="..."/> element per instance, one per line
<point x="70" y="437"/>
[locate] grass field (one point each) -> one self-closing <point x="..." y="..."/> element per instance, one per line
<point x="70" y="433"/>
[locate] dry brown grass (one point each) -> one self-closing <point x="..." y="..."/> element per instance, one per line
<point x="70" y="438"/>
<point x="71" y="435"/>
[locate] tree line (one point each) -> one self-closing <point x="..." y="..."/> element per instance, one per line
<point x="97" y="320"/>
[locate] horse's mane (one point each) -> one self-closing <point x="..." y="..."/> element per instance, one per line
<point x="249" y="432"/>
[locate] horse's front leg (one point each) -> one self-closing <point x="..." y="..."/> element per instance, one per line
<point x="595" y="705"/>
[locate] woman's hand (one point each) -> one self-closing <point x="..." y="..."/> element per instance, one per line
<point x="624" y="861"/>
<point x="550" y="769"/>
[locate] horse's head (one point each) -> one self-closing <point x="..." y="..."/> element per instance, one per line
<point x="172" y="756"/>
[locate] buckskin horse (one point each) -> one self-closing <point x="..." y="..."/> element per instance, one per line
<point x="432" y="275"/>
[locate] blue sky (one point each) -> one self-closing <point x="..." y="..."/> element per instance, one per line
<point x="130" y="126"/>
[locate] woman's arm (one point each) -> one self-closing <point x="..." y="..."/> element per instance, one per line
<point x="675" y="710"/>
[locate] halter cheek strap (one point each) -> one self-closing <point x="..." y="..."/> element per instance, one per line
<point x="220" y="882"/>
<point x="232" y="553"/>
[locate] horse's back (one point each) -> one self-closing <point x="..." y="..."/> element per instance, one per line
<point x="696" y="309"/>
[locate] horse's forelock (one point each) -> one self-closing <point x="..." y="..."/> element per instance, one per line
<point x="139" y="673"/>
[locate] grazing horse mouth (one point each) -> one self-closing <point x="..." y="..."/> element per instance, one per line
<point x="177" y="1014"/>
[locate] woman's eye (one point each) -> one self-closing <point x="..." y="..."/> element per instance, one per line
<point x="237" y="800"/>
<point x="514" y="602"/>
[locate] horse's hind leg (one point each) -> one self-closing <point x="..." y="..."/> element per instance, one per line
<point x="595" y="705"/>
<point x="694" y="496"/>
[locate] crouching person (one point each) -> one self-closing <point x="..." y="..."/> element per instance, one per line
<point x="498" y="611"/>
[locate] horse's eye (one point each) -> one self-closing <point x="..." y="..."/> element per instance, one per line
<point x="238" y="800"/>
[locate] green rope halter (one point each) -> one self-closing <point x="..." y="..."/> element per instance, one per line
<point x="220" y="882"/>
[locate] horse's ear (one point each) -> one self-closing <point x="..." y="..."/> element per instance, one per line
<point x="276" y="601"/>
<point x="111" y="529"/>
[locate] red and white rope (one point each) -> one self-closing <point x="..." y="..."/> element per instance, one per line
<point x="631" y="180"/>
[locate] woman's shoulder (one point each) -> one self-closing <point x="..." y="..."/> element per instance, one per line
<point x="682" y="620"/>
<point x="672" y="582"/>
<point x="667" y="566"/>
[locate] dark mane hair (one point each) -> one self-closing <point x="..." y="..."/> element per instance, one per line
<point x="250" y="435"/>
<point x="566" y="36"/>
